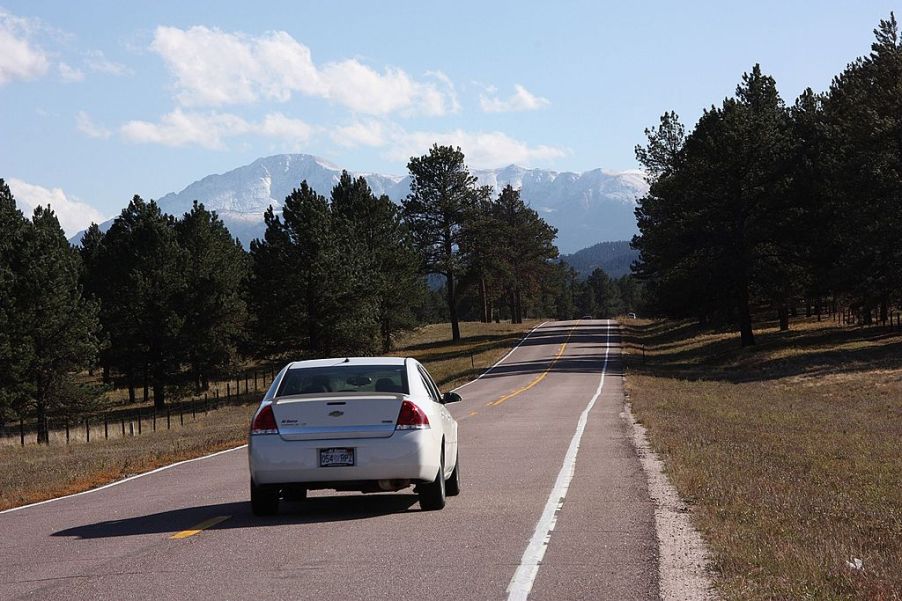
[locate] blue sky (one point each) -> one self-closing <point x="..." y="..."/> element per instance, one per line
<point x="101" y="100"/>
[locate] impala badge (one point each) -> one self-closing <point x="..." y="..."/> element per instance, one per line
<point x="336" y="413"/>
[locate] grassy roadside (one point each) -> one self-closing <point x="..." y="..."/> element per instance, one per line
<point x="789" y="452"/>
<point x="34" y="473"/>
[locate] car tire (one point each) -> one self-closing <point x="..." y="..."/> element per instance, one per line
<point x="452" y="485"/>
<point x="264" y="500"/>
<point x="432" y="495"/>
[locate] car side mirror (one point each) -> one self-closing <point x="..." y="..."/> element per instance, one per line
<point x="450" y="397"/>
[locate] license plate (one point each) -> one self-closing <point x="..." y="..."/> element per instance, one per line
<point x="336" y="457"/>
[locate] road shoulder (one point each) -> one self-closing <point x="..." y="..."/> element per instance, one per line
<point x="683" y="558"/>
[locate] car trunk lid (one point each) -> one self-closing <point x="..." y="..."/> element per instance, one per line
<point x="329" y="416"/>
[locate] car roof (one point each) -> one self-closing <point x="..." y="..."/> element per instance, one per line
<point x="347" y="361"/>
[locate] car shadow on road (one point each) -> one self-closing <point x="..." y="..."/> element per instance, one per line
<point x="315" y="510"/>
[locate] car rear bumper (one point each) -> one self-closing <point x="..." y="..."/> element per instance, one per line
<point x="405" y="455"/>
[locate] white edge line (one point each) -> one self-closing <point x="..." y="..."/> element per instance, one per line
<point x="522" y="581"/>
<point x="501" y="360"/>
<point x="123" y="481"/>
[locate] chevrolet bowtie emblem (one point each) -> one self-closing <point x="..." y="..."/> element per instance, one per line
<point x="336" y="413"/>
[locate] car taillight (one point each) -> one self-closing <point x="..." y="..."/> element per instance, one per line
<point x="264" y="422"/>
<point x="411" y="417"/>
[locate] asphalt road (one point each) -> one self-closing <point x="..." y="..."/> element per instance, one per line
<point x="518" y="427"/>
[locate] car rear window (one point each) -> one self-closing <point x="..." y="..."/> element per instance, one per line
<point x="344" y="378"/>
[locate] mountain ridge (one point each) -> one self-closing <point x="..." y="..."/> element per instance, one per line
<point x="585" y="207"/>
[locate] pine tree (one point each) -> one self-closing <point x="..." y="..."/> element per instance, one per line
<point x="371" y="230"/>
<point x="863" y="112"/>
<point x="15" y="387"/>
<point x="606" y="293"/>
<point x="141" y="300"/>
<point x="213" y="308"/>
<point x="62" y="325"/>
<point x="442" y="197"/>
<point x="526" y="248"/>
<point x="309" y="282"/>
<point x="714" y="224"/>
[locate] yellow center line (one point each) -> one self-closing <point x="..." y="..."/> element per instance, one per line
<point x="538" y="378"/>
<point x="202" y="526"/>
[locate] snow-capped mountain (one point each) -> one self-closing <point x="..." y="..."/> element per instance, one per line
<point x="585" y="207"/>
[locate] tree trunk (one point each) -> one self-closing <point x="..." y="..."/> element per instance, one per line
<point x="106" y="374"/>
<point x="518" y="303"/>
<point x="146" y="389"/>
<point x="159" y="395"/>
<point x="41" y="414"/>
<point x="746" y="334"/>
<point x="483" y="296"/>
<point x="131" y="387"/>
<point x="386" y="336"/>
<point x="866" y="318"/>
<point x="884" y="311"/>
<point x="783" y="314"/>
<point x="452" y="307"/>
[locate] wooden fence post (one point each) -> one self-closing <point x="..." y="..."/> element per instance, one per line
<point x="67" y="430"/>
<point x="139" y="421"/>
<point x="106" y="427"/>
<point x="87" y="431"/>
<point x="22" y="431"/>
<point x="168" y="421"/>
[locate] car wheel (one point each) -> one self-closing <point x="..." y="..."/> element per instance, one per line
<point x="452" y="486"/>
<point x="432" y="495"/>
<point x="264" y="499"/>
<point x="294" y="494"/>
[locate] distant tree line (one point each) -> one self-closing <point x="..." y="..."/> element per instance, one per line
<point x="768" y="206"/>
<point x="159" y="301"/>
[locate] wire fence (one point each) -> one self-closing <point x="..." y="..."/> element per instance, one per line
<point x="123" y="422"/>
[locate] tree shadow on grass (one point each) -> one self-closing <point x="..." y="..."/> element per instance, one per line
<point x="315" y="510"/>
<point x="810" y="353"/>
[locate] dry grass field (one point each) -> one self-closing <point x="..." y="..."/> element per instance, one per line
<point x="34" y="473"/>
<point x="790" y="452"/>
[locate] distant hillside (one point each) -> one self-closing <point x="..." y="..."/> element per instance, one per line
<point x="614" y="258"/>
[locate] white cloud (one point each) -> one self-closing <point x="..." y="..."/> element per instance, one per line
<point x="183" y="129"/>
<point x="210" y="130"/>
<point x="73" y="214"/>
<point x="521" y="100"/>
<point x="97" y="62"/>
<point x="277" y="125"/>
<point x="482" y="149"/>
<point x="19" y="57"/>
<point x="70" y="74"/>
<point x="216" y="68"/>
<point x="86" y="125"/>
<point x="370" y="133"/>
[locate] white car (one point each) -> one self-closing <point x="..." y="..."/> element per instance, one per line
<point x="362" y="424"/>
